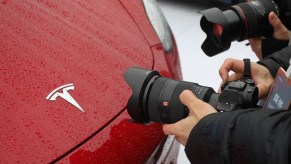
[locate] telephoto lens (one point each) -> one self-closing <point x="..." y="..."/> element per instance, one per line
<point x="156" y="98"/>
<point x="238" y="23"/>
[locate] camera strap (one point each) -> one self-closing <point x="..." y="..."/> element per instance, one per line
<point x="247" y="69"/>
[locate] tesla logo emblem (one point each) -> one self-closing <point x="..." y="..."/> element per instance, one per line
<point x="65" y="95"/>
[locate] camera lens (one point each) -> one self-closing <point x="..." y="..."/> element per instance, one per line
<point x="156" y="98"/>
<point x="239" y="22"/>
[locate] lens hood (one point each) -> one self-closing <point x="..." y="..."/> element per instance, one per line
<point x="138" y="80"/>
<point x="211" y="46"/>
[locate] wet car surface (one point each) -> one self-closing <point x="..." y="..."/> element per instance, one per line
<point x="62" y="94"/>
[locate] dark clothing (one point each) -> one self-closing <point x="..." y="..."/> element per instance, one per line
<point x="241" y="137"/>
<point x="245" y="136"/>
<point x="276" y="60"/>
<point x="271" y="45"/>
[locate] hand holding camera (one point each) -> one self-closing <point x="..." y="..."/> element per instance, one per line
<point x="281" y="33"/>
<point x="156" y="98"/>
<point x="180" y="106"/>
<point x="243" y="21"/>
<point x="260" y="74"/>
<point x="197" y="110"/>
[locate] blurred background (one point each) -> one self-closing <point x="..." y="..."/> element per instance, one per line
<point x="184" y="20"/>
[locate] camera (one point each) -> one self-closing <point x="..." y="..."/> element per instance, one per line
<point x="240" y="22"/>
<point x="156" y="98"/>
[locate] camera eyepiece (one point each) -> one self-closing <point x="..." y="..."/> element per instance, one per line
<point x="156" y="98"/>
<point x="239" y="22"/>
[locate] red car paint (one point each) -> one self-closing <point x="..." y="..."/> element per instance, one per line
<point x="48" y="43"/>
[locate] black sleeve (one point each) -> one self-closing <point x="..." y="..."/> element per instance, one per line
<point x="241" y="137"/>
<point x="271" y="45"/>
<point x="276" y="60"/>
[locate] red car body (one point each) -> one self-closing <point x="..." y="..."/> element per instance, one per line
<point x="88" y="45"/>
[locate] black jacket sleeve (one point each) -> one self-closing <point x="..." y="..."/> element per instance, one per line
<point x="241" y="137"/>
<point x="271" y="45"/>
<point x="276" y="60"/>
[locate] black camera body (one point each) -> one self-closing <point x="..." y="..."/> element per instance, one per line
<point x="156" y="98"/>
<point x="240" y="22"/>
<point x="237" y="94"/>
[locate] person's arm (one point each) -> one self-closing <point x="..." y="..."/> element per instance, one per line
<point x="271" y="45"/>
<point x="279" y="40"/>
<point x="244" y="136"/>
<point x="276" y="60"/>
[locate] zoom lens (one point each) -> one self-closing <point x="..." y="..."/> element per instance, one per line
<point x="156" y="99"/>
<point x="239" y="22"/>
<point x="164" y="105"/>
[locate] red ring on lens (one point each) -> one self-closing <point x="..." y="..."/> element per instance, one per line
<point x="243" y="15"/>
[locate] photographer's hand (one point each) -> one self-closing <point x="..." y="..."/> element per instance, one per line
<point x="260" y="74"/>
<point x="280" y="33"/>
<point x="198" y="109"/>
<point x="256" y="45"/>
